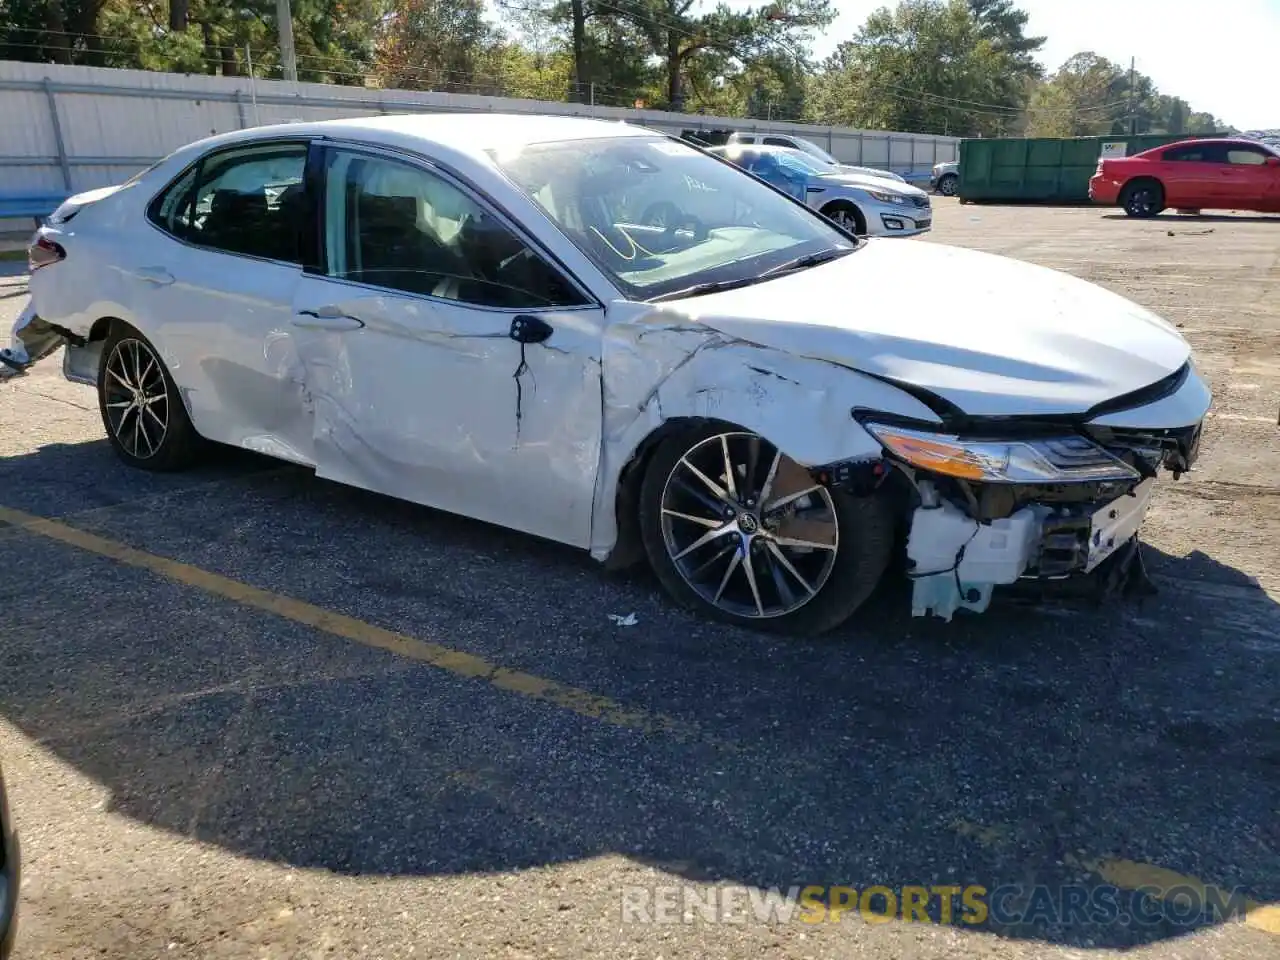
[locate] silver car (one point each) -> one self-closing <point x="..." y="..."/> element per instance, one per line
<point x="811" y="149"/>
<point x="863" y="205"/>
<point x="945" y="178"/>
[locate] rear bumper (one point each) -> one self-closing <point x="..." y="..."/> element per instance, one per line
<point x="30" y="339"/>
<point x="1104" y="190"/>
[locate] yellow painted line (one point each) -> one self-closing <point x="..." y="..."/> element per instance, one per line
<point x="454" y="661"/>
<point x="1158" y="881"/>
<point x="1133" y="876"/>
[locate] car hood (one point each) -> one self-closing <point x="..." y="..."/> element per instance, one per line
<point x="880" y="184"/>
<point x="854" y="170"/>
<point x="992" y="335"/>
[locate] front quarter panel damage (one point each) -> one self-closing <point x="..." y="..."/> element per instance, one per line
<point x="660" y="366"/>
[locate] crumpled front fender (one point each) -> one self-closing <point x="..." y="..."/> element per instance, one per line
<point x="656" y="372"/>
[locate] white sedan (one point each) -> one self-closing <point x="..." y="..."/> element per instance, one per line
<point x="471" y="312"/>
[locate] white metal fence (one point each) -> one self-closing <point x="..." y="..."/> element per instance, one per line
<point x="69" y="128"/>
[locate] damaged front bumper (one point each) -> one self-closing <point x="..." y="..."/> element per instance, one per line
<point x="1009" y="505"/>
<point x="958" y="561"/>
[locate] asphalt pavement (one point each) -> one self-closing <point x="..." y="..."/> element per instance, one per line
<point x="246" y="712"/>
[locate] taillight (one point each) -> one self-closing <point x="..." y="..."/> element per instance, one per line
<point x="43" y="252"/>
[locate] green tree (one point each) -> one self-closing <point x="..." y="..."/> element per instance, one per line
<point x="1085" y="97"/>
<point x="687" y="42"/>
<point x="1091" y="96"/>
<point x="435" y="45"/>
<point x="61" y="31"/>
<point x="1006" y="27"/>
<point x="926" y="66"/>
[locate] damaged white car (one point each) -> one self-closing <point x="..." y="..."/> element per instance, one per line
<point x="473" y="312"/>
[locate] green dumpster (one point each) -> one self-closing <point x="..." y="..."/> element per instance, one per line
<point x="1044" y="170"/>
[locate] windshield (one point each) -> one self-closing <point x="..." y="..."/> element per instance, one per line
<point x="813" y="150"/>
<point x="795" y="160"/>
<point x="659" y="216"/>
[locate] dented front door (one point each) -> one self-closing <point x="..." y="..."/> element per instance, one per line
<point x="429" y="401"/>
<point x="415" y="384"/>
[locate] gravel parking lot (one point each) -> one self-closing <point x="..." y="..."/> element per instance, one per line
<point x="247" y="713"/>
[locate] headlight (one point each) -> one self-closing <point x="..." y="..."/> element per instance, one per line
<point x="888" y="197"/>
<point x="1057" y="460"/>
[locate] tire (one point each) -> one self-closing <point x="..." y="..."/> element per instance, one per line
<point x="818" y="583"/>
<point x="847" y="216"/>
<point x="948" y="184"/>
<point x="1142" y="198"/>
<point x="158" y="436"/>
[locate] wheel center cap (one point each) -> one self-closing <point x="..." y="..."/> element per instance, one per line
<point x="747" y="523"/>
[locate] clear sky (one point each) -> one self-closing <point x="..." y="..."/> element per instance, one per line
<point x="1219" y="56"/>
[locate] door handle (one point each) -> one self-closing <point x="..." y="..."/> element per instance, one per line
<point x="326" y="318"/>
<point x="157" y="275"/>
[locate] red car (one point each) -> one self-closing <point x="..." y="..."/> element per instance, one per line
<point x="1191" y="175"/>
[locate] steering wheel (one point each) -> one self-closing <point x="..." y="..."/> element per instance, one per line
<point x="664" y="213"/>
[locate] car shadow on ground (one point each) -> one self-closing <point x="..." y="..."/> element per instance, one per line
<point x="1016" y="749"/>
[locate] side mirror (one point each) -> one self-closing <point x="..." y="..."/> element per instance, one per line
<point x="529" y="329"/>
<point x="1273" y="161"/>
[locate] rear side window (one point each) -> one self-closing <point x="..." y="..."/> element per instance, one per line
<point x="1197" y="153"/>
<point x="248" y="201"/>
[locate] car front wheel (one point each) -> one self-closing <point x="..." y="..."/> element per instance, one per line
<point x="846" y="216"/>
<point x="735" y="528"/>
<point x="948" y="184"/>
<point x="142" y="411"/>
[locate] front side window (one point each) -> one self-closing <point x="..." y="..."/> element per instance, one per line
<point x="249" y="201"/>
<point x="659" y="216"/>
<point x="1248" y="156"/>
<point x="393" y="224"/>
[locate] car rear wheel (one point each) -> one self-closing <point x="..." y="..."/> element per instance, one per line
<point x="736" y="529"/>
<point x="142" y="411"/>
<point x="1142" y="198"/>
<point x="948" y="184"/>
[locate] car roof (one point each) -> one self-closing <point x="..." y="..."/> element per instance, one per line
<point x="464" y="133"/>
<point x="1207" y="141"/>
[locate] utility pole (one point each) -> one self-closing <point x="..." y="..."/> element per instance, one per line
<point x="1133" y="115"/>
<point x="284" y="22"/>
